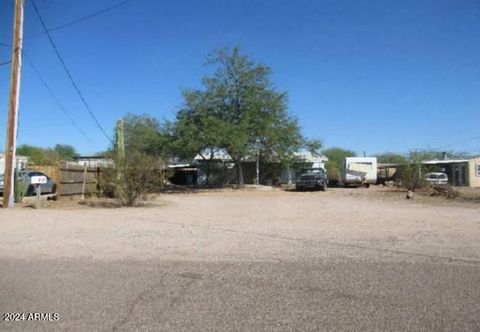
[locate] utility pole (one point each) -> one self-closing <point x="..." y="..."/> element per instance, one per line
<point x="12" y="122"/>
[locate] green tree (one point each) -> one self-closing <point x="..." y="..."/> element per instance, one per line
<point x="38" y="155"/>
<point x="141" y="145"/>
<point x="421" y="155"/>
<point x="391" y="158"/>
<point x="65" y="152"/>
<point x="248" y="115"/>
<point x="430" y="154"/>
<point x="197" y="131"/>
<point x="336" y="156"/>
<point x="47" y="156"/>
<point x="144" y="133"/>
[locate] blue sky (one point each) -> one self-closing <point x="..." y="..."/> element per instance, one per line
<point x="367" y="75"/>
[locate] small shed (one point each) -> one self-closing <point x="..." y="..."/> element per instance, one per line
<point x="456" y="170"/>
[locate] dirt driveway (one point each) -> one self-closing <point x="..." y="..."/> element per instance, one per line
<point x="267" y="260"/>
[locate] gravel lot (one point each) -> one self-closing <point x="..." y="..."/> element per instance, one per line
<point x="345" y="259"/>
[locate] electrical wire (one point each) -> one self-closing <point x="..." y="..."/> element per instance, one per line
<point x="81" y="19"/>
<point x="5" y="63"/>
<point x="67" y="71"/>
<point x="55" y="98"/>
<point x="459" y="142"/>
<point x="78" y="20"/>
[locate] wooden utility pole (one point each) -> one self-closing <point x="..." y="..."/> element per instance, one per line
<point x="12" y="122"/>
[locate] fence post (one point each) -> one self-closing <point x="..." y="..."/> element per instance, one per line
<point x="84" y="181"/>
<point x="97" y="176"/>
<point x="58" y="178"/>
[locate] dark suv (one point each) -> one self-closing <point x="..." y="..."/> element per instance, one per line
<point x="312" y="179"/>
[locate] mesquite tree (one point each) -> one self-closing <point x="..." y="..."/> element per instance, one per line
<point x="239" y="111"/>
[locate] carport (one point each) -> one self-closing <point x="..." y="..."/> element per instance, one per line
<point x="456" y="169"/>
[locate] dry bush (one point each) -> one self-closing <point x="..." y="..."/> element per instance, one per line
<point x="411" y="176"/>
<point x="132" y="178"/>
<point x="445" y="191"/>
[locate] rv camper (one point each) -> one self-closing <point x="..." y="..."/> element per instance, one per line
<point x="359" y="171"/>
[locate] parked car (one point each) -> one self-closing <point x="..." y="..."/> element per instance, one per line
<point x="436" y="178"/>
<point x="312" y="179"/>
<point x="25" y="177"/>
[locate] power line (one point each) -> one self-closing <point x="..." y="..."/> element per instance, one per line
<point x="77" y="89"/>
<point x="57" y="101"/>
<point x="461" y="141"/>
<point x="5" y="62"/>
<point x="84" y="18"/>
<point x="78" y="20"/>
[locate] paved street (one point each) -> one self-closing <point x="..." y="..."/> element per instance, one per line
<point x="180" y="266"/>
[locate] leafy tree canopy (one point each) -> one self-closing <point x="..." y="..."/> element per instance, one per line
<point x="65" y="152"/>
<point x="437" y="154"/>
<point x="144" y="133"/>
<point x="46" y="156"/>
<point x="239" y="111"/>
<point x="391" y="158"/>
<point x="336" y="156"/>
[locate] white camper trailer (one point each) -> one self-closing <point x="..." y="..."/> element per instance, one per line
<point x="359" y="171"/>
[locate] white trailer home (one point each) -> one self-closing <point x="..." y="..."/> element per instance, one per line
<point x="359" y="171"/>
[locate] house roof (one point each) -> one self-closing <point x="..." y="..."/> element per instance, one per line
<point x="444" y="161"/>
<point x="217" y="155"/>
<point x="427" y="162"/>
<point x="305" y="155"/>
<point x="310" y="157"/>
<point x="91" y="157"/>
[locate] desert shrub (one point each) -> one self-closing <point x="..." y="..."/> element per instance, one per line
<point x="106" y="182"/>
<point x="333" y="173"/>
<point x="410" y="176"/>
<point x="132" y="178"/>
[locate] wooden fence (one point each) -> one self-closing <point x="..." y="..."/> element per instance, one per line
<point x="72" y="179"/>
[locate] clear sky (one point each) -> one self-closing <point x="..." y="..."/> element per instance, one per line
<point x="367" y="75"/>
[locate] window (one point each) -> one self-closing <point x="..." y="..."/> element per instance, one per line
<point x="477" y="167"/>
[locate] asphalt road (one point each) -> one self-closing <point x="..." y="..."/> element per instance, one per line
<point x="327" y="294"/>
